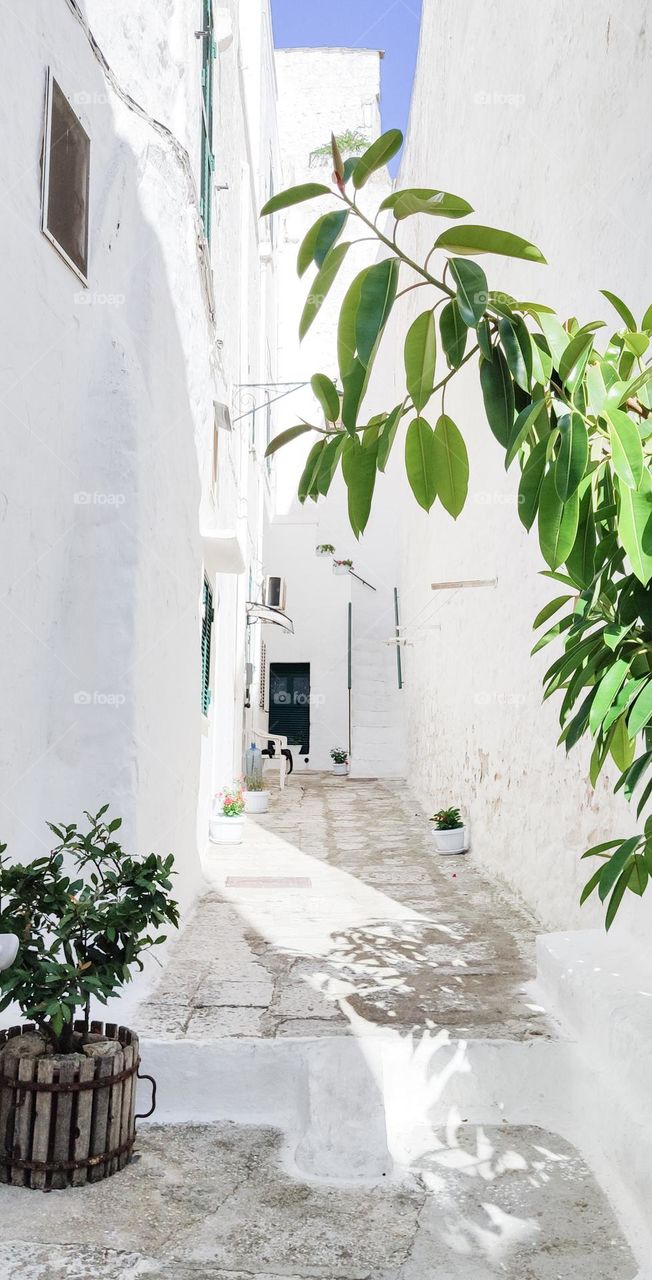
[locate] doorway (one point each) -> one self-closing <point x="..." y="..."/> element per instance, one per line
<point x="289" y="703"/>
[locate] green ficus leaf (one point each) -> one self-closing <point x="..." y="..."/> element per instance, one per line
<point x="285" y="437"/>
<point x="294" y="195"/>
<point x="310" y="472"/>
<point x="387" y="435"/>
<point x="635" y="526"/>
<point x="321" y="237"/>
<point x="517" y="354"/>
<point x="376" y="300"/>
<point x="359" y="471"/>
<point x="548" y="610"/>
<point x="641" y="711"/>
<point x="467" y="239"/>
<point x="606" y="692"/>
<point x="354" y="387"/>
<point x="326" y="393"/>
<point x="581" y="560"/>
<point x="610" y="872"/>
<point x="321" y="285"/>
<point x="378" y="154"/>
<point x="451" y="466"/>
<point x="523" y="425"/>
<point x="413" y="200"/>
<point x="330" y="458"/>
<point x="454" y="334"/>
<point x="420" y="462"/>
<point x="626" y="447"/>
<point x="558" y="522"/>
<point x="420" y="359"/>
<point x="573" y="455"/>
<point x="498" y="395"/>
<point x="529" y="489"/>
<point x="621" y="307"/>
<point x="346" y="341"/>
<point x="574" y="360"/>
<point x="472" y="289"/>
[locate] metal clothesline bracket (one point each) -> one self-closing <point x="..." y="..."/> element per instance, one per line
<point x="463" y="582"/>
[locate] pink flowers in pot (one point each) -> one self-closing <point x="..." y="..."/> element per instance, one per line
<point x="230" y="801"/>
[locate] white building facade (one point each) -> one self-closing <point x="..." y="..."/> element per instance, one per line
<point x="132" y="484"/>
<point x="500" y="136"/>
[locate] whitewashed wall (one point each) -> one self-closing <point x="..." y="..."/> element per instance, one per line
<point x="324" y="90"/>
<point x="107" y="438"/>
<point x="534" y="113"/>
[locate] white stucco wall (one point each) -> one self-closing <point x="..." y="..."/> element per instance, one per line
<point x="533" y="113"/>
<point x="324" y="90"/>
<point x="107" y="448"/>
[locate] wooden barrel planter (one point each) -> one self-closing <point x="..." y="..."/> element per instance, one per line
<point x="64" y="1123"/>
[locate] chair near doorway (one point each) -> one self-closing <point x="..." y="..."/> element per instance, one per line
<point x="274" y="747"/>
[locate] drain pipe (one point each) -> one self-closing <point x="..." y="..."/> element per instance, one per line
<point x="349" y="671"/>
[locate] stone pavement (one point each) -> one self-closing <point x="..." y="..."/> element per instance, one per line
<point x="336" y="914"/>
<point x="214" y="1203"/>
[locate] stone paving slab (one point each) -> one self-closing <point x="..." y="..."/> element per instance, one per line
<point x="214" y="1202"/>
<point x="337" y="911"/>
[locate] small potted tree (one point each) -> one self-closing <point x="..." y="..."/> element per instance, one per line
<point x="325" y="549"/>
<point x="450" y="833"/>
<point x="82" y="918"/>
<point x="340" y="759"/>
<point x="227" y="822"/>
<point x="340" y="567"/>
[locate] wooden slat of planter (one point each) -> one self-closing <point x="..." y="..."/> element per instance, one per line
<point x="10" y="1070"/>
<point x="115" y="1114"/>
<point x="41" y="1139"/>
<point x="22" y="1144"/>
<point x="125" y="1111"/>
<point x="82" y="1142"/>
<point x="99" y="1125"/>
<point x="62" y="1123"/>
<point x="134" y="1085"/>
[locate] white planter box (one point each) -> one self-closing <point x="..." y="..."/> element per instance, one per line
<point x="341" y="569"/>
<point x="340" y="769"/>
<point x="223" y="830"/>
<point x="8" y="949"/>
<point x="256" y="801"/>
<point x="456" y="841"/>
<point x="322" y="554"/>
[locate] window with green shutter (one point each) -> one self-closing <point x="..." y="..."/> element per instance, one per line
<point x="206" y="637"/>
<point x="207" y="84"/>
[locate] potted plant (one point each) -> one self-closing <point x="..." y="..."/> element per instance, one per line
<point x="340" y="759"/>
<point x="342" y="566"/>
<point x="325" y="549"/>
<point x="256" y="797"/>
<point x="83" y="916"/>
<point x="449" y="831"/>
<point x="227" y="822"/>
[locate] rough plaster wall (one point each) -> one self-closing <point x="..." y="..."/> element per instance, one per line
<point x="106" y="392"/>
<point x="322" y="90"/>
<point x="509" y="110"/>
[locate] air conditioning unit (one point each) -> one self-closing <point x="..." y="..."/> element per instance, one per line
<point x="274" y="593"/>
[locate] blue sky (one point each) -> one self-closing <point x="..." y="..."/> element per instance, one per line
<point x="392" y="25"/>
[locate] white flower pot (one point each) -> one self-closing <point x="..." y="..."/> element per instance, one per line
<point x="341" y="569"/>
<point x="256" y="801"/>
<point x="322" y="554"/>
<point x="8" y="949"/>
<point x="456" y="841"/>
<point x="341" y="769"/>
<point x="224" y="830"/>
